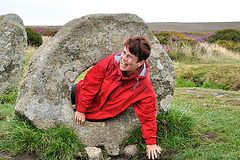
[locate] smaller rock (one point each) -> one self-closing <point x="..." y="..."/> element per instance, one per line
<point x="112" y="149"/>
<point x="214" y="94"/>
<point x="131" y="151"/>
<point x="94" y="153"/>
<point x="78" y="155"/>
<point x="219" y="96"/>
<point x="199" y="96"/>
<point x="115" y="158"/>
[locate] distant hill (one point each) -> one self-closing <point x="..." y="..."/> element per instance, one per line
<point x="185" y="27"/>
<point x="193" y="27"/>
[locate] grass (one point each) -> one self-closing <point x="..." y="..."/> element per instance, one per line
<point x="208" y="53"/>
<point x="199" y="125"/>
<point x="19" y="136"/>
<point x="217" y="119"/>
<point x="216" y="76"/>
<point x="30" y="51"/>
<point x="9" y="95"/>
<point x="205" y="65"/>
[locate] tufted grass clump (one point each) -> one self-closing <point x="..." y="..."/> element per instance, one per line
<point x="175" y="131"/>
<point x="9" y="95"/>
<point x="177" y="121"/>
<point x="17" y="136"/>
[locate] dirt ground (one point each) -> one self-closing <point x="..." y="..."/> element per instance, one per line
<point x="19" y="157"/>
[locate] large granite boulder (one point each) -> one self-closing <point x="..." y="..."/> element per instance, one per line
<point x="44" y="95"/>
<point x="13" y="43"/>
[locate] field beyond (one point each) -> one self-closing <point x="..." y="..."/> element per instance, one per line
<point x="180" y="26"/>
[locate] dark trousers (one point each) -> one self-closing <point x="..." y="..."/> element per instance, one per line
<point x="73" y="93"/>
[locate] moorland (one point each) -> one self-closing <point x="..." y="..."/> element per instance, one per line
<point x="193" y="27"/>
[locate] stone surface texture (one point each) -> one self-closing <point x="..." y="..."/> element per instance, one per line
<point x="44" y="95"/>
<point x="13" y="43"/>
<point x="131" y="151"/>
<point x="94" y="153"/>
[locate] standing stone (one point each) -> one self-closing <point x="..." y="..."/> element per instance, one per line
<point x="13" y="43"/>
<point x="44" y="95"/>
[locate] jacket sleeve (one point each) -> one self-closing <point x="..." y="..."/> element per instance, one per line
<point x="145" y="110"/>
<point x="90" y="86"/>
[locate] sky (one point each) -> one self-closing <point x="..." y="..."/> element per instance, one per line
<point x="59" y="12"/>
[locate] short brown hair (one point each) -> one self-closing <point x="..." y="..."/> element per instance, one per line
<point x="139" y="46"/>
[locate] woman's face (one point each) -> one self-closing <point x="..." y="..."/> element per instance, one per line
<point x="129" y="62"/>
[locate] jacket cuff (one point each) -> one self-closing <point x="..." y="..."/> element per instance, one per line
<point x="150" y="141"/>
<point x="81" y="109"/>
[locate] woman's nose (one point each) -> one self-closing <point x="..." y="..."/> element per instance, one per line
<point x="124" y="57"/>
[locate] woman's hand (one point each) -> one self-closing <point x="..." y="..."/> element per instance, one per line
<point x="79" y="118"/>
<point x="152" y="151"/>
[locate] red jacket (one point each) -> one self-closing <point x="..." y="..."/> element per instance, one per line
<point x="105" y="93"/>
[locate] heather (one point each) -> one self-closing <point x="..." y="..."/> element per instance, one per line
<point x="228" y="38"/>
<point x="202" y="60"/>
<point x="46" y="31"/>
<point x="165" y="37"/>
<point x="175" y="44"/>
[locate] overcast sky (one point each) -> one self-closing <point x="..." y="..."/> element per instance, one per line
<point x="59" y="12"/>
